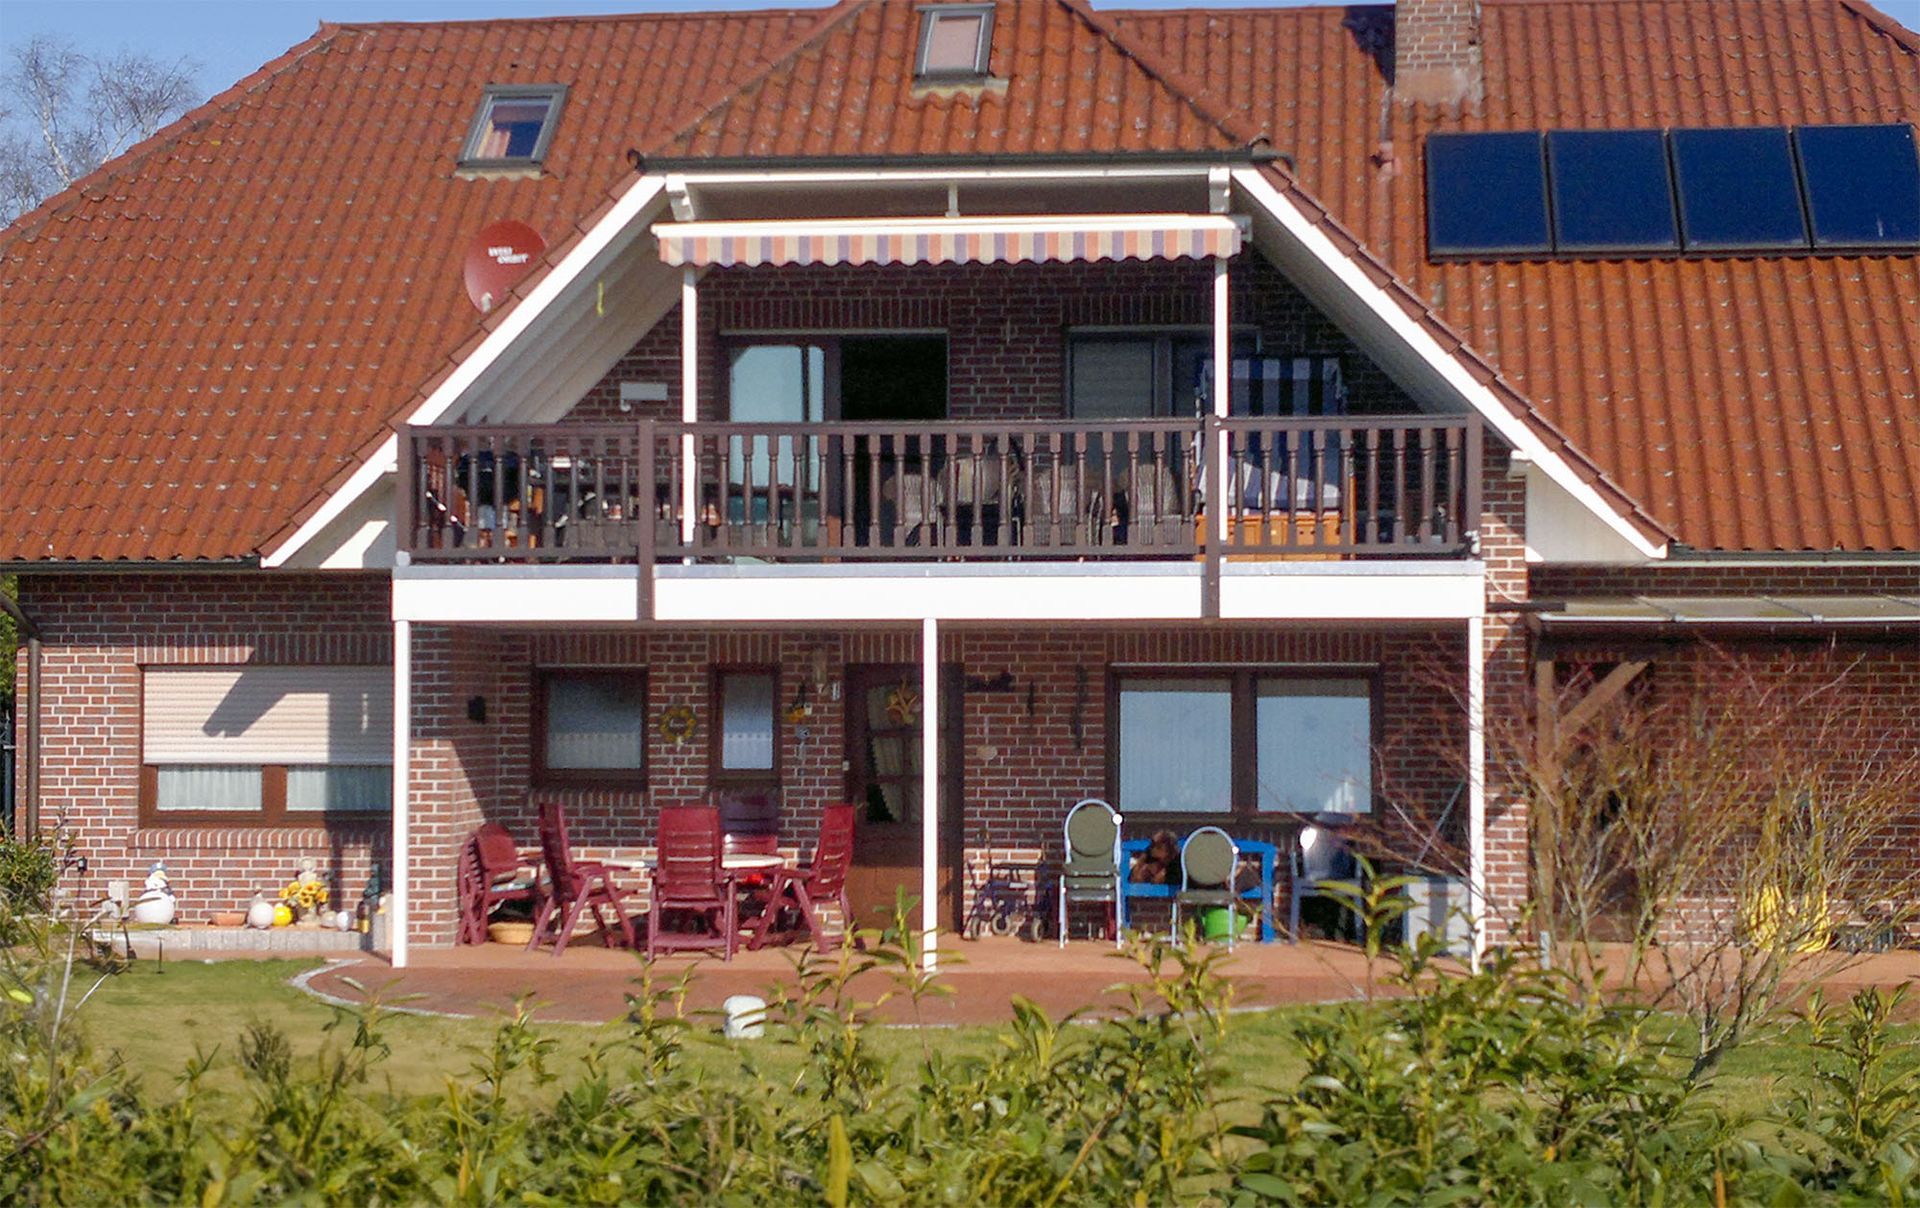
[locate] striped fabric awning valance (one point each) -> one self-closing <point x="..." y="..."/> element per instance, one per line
<point x="949" y="241"/>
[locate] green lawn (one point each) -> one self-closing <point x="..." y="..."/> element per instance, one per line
<point x="157" y="1019"/>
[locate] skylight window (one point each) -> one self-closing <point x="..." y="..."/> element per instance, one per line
<point x="514" y="126"/>
<point x="954" y="41"/>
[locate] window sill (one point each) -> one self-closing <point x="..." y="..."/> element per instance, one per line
<point x="202" y="836"/>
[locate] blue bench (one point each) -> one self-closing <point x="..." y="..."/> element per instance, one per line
<point x="1131" y="890"/>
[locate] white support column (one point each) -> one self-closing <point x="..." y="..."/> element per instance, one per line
<point x="689" y="395"/>
<point x="402" y="763"/>
<point x="1477" y="782"/>
<point x="1222" y="392"/>
<point x="929" y="792"/>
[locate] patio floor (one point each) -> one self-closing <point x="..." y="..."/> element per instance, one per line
<point x="590" y="983"/>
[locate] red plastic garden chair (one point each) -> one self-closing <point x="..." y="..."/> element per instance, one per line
<point x="687" y="876"/>
<point x="799" y="892"/>
<point x="491" y="866"/>
<point x="749" y="825"/>
<point x="573" y="886"/>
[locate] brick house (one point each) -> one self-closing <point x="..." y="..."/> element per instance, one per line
<point x="958" y="409"/>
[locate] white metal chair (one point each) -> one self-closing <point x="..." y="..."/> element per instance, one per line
<point x="1208" y="861"/>
<point x="1090" y="871"/>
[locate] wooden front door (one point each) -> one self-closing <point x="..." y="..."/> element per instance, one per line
<point x="884" y="712"/>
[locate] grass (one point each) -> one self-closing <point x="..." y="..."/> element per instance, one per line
<point x="156" y="1019"/>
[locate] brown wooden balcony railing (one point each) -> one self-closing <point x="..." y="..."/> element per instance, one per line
<point x="1346" y="487"/>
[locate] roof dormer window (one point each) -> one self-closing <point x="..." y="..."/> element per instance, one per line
<point x="954" y="42"/>
<point x="514" y="126"/>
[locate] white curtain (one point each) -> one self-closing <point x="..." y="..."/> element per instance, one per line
<point x="1176" y="745"/>
<point x="206" y="787"/>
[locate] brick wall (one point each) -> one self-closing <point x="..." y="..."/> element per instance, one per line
<point x="1436" y="51"/>
<point x="1508" y="690"/>
<point x="1028" y="752"/>
<point x="1867" y="683"/>
<point x="1006" y="325"/>
<point x="100" y="630"/>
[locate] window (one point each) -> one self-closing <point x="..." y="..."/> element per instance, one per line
<point x="1144" y="374"/>
<point x="265" y="745"/>
<point x="1611" y="191"/>
<point x="1241" y="742"/>
<point x="591" y="727"/>
<point x="514" y="126"/>
<point x="1313" y="748"/>
<point x="746" y="728"/>
<point x="954" y="41"/>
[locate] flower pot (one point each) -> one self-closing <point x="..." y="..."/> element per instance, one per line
<point x="510" y="933"/>
<point x="1215" y="921"/>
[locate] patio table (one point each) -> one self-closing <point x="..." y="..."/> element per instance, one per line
<point x="738" y="861"/>
<point x="1269" y="854"/>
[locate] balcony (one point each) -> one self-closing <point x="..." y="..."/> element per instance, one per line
<point x="1341" y="488"/>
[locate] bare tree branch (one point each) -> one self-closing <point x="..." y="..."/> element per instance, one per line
<point x="64" y="112"/>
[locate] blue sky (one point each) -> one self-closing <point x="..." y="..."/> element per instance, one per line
<point x="229" y="38"/>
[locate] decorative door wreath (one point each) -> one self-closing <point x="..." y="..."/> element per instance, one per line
<point x="677" y="724"/>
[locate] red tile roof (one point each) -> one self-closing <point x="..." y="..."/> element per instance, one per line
<point x="206" y="333"/>
<point x="1768" y="403"/>
<point x="203" y="333"/>
<point x="1058" y="85"/>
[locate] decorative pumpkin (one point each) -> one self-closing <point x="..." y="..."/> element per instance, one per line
<point x="282" y="915"/>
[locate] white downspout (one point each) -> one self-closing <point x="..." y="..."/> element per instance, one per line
<point x="930" y="792"/>
<point x="402" y="751"/>
<point x="1477" y="782"/>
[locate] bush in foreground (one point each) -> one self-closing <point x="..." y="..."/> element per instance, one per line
<point x="1490" y="1087"/>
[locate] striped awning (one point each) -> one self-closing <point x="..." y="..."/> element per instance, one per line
<point x="950" y="240"/>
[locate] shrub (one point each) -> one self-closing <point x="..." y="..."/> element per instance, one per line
<point x="28" y="870"/>
<point x="1497" y="1086"/>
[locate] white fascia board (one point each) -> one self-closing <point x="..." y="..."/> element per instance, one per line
<point x="505" y="594"/>
<point x="571" y="269"/>
<point x="1376" y="300"/>
<point x="608" y="594"/>
<point x="827" y="176"/>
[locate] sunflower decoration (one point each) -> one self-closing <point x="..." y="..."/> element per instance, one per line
<point x="304" y="897"/>
<point x="903" y="705"/>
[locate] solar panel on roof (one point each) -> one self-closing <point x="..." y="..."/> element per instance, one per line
<point x="1862" y="184"/>
<point x="1486" y="193"/>
<point x="1737" y="189"/>
<point x="1611" y="191"/>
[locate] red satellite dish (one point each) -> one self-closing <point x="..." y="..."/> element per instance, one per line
<point x="499" y="256"/>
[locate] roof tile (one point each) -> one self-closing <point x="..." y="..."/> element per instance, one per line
<point x="1795" y="376"/>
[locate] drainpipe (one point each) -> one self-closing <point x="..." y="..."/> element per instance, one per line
<point x="29" y="815"/>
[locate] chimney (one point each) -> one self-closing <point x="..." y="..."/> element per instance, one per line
<point x="1436" y="51"/>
